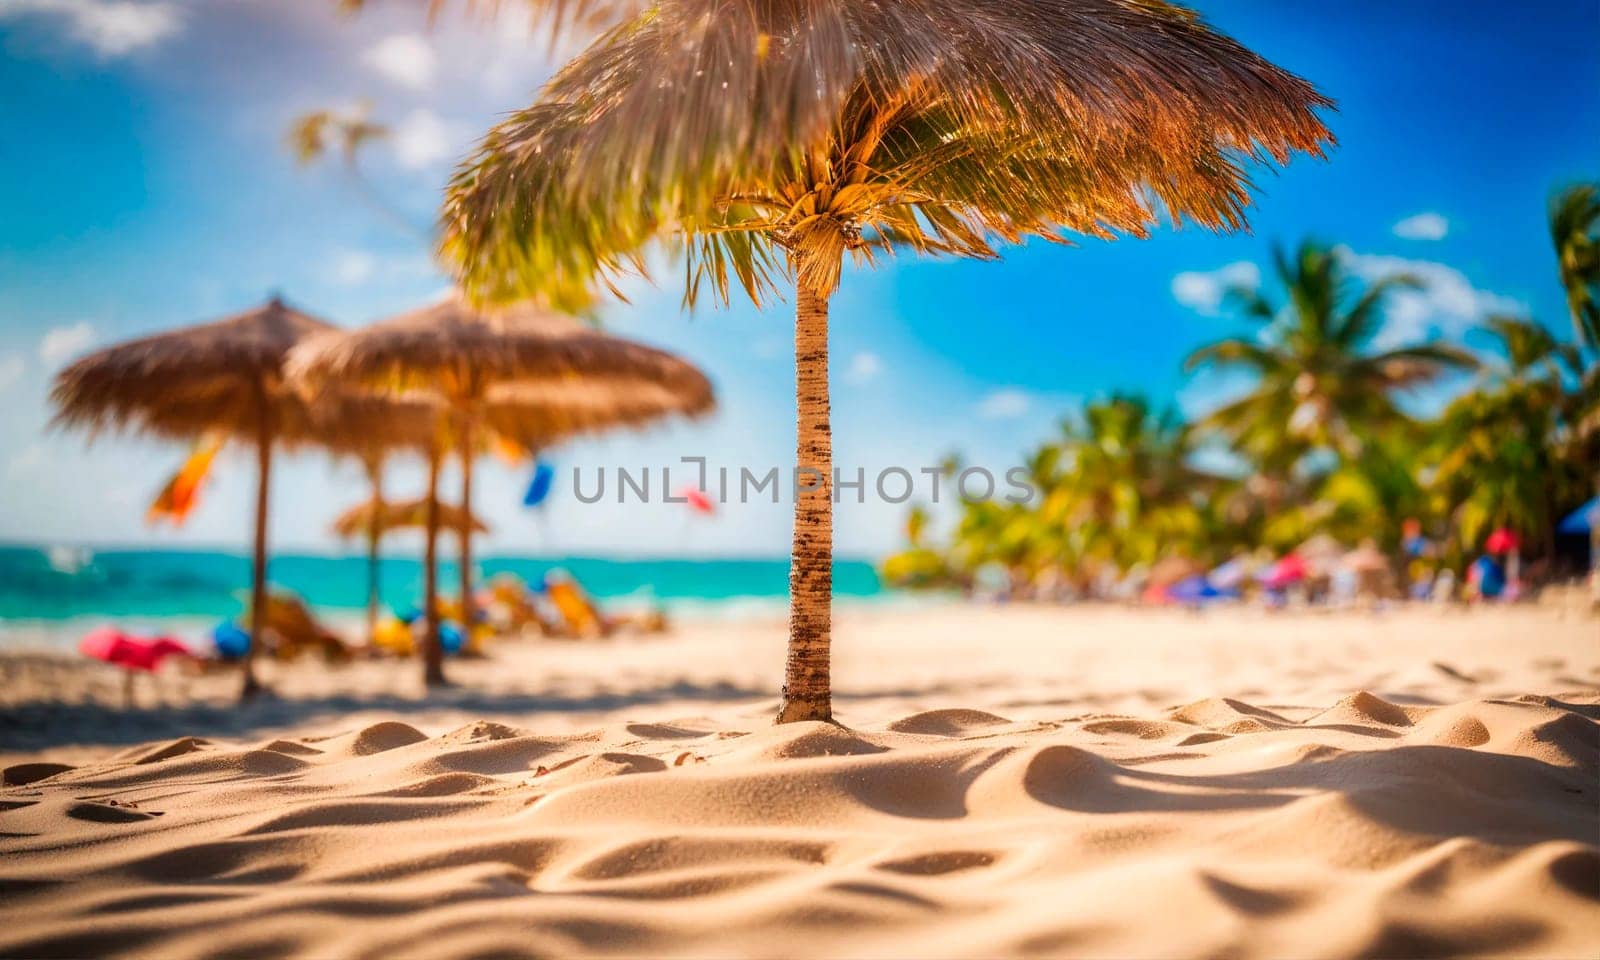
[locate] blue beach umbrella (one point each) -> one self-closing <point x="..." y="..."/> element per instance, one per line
<point x="1581" y="520"/>
<point x="1198" y="589"/>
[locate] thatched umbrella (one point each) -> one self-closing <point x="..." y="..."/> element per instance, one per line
<point x="371" y="427"/>
<point x="375" y="517"/>
<point x="532" y="376"/>
<point x="389" y="515"/>
<point x="225" y="376"/>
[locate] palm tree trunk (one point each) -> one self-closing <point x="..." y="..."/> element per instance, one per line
<point x="374" y="532"/>
<point x="258" y="567"/>
<point x="807" y="687"/>
<point x="464" y="531"/>
<point x="432" y="647"/>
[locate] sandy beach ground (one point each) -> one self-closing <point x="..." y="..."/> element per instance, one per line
<point x="1022" y="781"/>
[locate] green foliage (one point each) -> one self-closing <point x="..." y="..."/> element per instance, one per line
<point x="1328" y="449"/>
<point x="318" y="133"/>
<point x="1320" y="387"/>
<point x="1113" y="489"/>
<point x="1575" y="231"/>
<point x="1507" y="453"/>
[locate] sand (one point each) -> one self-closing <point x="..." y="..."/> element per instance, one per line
<point x="1006" y="782"/>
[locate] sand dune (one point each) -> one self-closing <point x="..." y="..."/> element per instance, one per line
<point x="1367" y="828"/>
<point x="1364" y="824"/>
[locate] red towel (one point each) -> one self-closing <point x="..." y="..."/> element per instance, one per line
<point x="130" y="652"/>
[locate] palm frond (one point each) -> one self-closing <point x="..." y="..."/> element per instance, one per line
<point x="1235" y="351"/>
<point x="317" y="133"/>
<point x="1365" y="317"/>
<point x="944" y="127"/>
<point x="1417" y="365"/>
<point x="1575" y="231"/>
<point x="561" y="15"/>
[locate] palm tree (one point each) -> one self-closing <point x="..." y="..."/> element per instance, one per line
<point x="1319" y="384"/>
<point x="1129" y="488"/>
<point x="920" y="564"/>
<point x="1505" y="453"/>
<point x="769" y="141"/>
<point x="1575" y="231"/>
<point x="317" y="134"/>
<point x="1114" y="489"/>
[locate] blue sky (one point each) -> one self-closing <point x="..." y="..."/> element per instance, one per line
<point x="144" y="184"/>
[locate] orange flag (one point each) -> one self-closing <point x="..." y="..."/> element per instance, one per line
<point x="179" y="497"/>
<point x="509" y="451"/>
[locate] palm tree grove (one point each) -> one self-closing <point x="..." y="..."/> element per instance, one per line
<point x="1321" y="441"/>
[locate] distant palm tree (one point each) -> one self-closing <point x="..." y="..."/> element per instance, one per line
<point x="1319" y="384"/>
<point x="1505" y="453"/>
<point x="1575" y="230"/>
<point x="318" y="134"/>
<point x="771" y="140"/>
<point x="1130" y="490"/>
<point x="1534" y="358"/>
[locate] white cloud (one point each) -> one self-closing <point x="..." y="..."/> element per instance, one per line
<point x="405" y="59"/>
<point x="1204" y="292"/>
<point x="63" y="343"/>
<point x="1446" y="306"/>
<point x="25" y="461"/>
<point x="112" y="28"/>
<point x="1423" y="226"/>
<point x="352" y="268"/>
<point x="358" y="268"/>
<point x="1007" y="403"/>
<point x="422" y="140"/>
<point x="864" y="366"/>
<point x="11" y="370"/>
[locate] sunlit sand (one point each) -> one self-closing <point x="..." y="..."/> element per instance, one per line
<point x="1021" y="781"/>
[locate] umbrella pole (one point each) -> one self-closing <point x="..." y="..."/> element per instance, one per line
<point x="464" y="531"/>
<point x="258" y="581"/>
<point x="374" y="574"/>
<point x="432" y="650"/>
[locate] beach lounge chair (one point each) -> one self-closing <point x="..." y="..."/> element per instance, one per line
<point x="513" y="610"/>
<point x="581" y="617"/>
<point x="291" y="631"/>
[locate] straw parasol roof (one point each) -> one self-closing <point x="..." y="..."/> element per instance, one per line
<point x="1172" y="569"/>
<point x="456" y="350"/>
<point x="213" y="377"/>
<point x="531" y="376"/>
<point x="225" y="376"/>
<point x="1321" y="554"/>
<point x="405" y="514"/>
<point x="536" y="415"/>
<point x="1366" y="558"/>
<point x="370" y="426"/>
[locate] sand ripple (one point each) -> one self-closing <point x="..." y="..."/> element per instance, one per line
<point x="1366" y="828"/>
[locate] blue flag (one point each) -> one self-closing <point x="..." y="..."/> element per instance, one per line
<point x="539" y="487"/>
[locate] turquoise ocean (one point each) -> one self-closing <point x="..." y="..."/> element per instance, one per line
<point x="48" y="593"/>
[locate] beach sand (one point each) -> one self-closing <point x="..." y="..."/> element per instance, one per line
<point x="1023" y="781"/>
